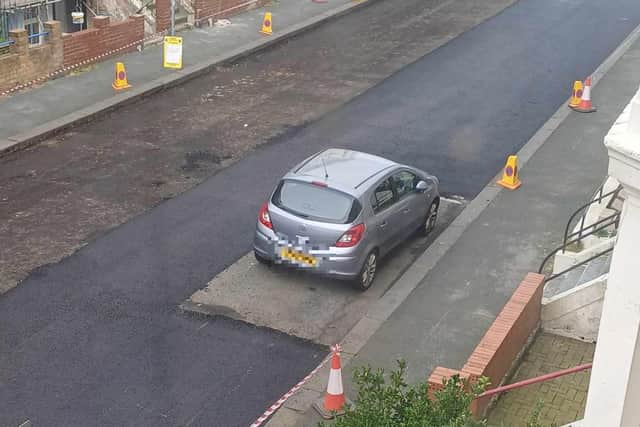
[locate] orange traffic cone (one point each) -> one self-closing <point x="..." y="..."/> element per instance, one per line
<point x="266" y="24"/>
<point x="334" y="401"/>
<point x="576" y="95"/>
<point x="585" y="105"/>
<point x="510" y="178"/>
<point x="120" y="80"/>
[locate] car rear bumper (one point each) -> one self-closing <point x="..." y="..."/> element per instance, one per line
<point x="345" y="264"/>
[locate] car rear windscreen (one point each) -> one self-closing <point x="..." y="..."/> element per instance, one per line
<point x="316" y="202"/>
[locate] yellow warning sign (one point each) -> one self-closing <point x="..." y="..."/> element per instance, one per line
<point x="172" y="56"/>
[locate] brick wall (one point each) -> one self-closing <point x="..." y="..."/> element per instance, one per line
<point x="163" y="15"/>
<point x="217" y="9"/>
<point x="503" y="343"/>
<point x="104" y="37"/>
<point x="26" y="62"/>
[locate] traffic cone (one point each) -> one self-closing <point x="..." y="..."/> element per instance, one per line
<point x="576" y="96"/>
<point x="266" y="24"/>
<point x="585" y="105"/>
<point x="334" y="401"/>
<point x="120" y="80"/>
<point x="510" y="178"/>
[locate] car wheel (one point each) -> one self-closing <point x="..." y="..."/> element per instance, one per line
<point x="368" y="272"/>
<point x="430" y="219"/>
<point x="262" y="260"/>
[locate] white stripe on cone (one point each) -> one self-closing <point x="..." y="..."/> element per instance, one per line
<point x="586" y="93"/>
<point x="335" y="382"/>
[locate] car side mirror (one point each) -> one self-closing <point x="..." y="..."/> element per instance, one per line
<point x="422" y="187"/>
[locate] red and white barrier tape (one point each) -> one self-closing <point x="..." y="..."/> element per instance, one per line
<point x="79" y="64"/>
<point x="273" y="408"/>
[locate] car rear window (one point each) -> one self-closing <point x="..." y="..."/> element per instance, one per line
<point x="316" y="202"/>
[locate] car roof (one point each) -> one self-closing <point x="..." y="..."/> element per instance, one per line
<point x="346" y="169"/>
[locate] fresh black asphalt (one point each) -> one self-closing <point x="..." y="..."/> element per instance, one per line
<point x="97" y="339"/>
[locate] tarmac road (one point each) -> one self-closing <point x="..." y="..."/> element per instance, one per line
<point x="96" y="339"/>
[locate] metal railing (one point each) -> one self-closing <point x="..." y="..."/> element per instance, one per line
<point x="535" y="380"/>
<point x="582" y="232"/>
<point x="583" y="209"/>
<point x="5" y="46"/>
<point x="37" y="36"/>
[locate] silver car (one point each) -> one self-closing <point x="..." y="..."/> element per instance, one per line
<point x="339" y="211"/>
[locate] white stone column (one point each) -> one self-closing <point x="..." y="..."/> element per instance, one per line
<point x="614" y="390"/>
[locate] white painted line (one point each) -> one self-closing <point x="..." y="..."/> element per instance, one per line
<point x="459" y="201"/>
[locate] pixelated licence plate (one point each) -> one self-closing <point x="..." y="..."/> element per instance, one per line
<point x="296" y="257"/>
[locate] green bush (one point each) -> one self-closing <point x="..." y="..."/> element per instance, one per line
<point x="394" y="403"/>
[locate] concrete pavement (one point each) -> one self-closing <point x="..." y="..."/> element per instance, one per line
<point x="445" y="316"/>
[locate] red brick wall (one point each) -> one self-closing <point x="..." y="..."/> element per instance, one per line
<point x="103" y="38"/>
<point x="163" y="15"/>
<point x="26" y="62"/>
<point x="500" y="347"/>
<point x="222" y="8"/>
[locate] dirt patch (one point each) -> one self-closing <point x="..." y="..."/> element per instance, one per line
<point x="56" y="197"/>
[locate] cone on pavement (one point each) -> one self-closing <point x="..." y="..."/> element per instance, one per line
<point x="510" y="178"/>
<point x="267" y="24"/>
<point x="576" y="95"/>
<point x="120" y="80"/>
<point x="334" y="401"/>
<point x="585" y="105"/>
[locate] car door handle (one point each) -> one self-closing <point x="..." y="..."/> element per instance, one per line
<point x="382" y="224"/>
<point x="406" y="210"/>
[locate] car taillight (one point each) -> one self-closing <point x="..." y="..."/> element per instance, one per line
<point x="351" y="237"/>
<point x="264" y="217"/>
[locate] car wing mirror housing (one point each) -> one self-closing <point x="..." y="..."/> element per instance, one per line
<point x="422" y="187"/>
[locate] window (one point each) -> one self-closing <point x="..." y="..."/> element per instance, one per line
<point x="316" y="202"/>
<point x="405" y="182"/>
<point x="32" y="23"/>
<point x="382" y="196"/>
<point x="4" y="45"/>
<point x="3" y="27"/>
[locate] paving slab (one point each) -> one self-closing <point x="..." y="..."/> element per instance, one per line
<point x="560" y="400"/>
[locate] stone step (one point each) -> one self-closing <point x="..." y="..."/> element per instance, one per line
<point x="564" y="282"/>
<point x="582" y="274"/>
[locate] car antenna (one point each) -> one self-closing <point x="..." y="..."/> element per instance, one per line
<point x="326" y="174"/>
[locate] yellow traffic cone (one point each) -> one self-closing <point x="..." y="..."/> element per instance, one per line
<point x="120" y="80"/>
<point x="576" y="96"/>
<point x="510" y="178"/>
<point x="585" y="105"/>
<point x="266" y="24"/>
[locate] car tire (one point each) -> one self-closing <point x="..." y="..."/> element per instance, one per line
<point x="262" y="260"/>
<point x="367" y="274"/>
<point x="430" y="219"/>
